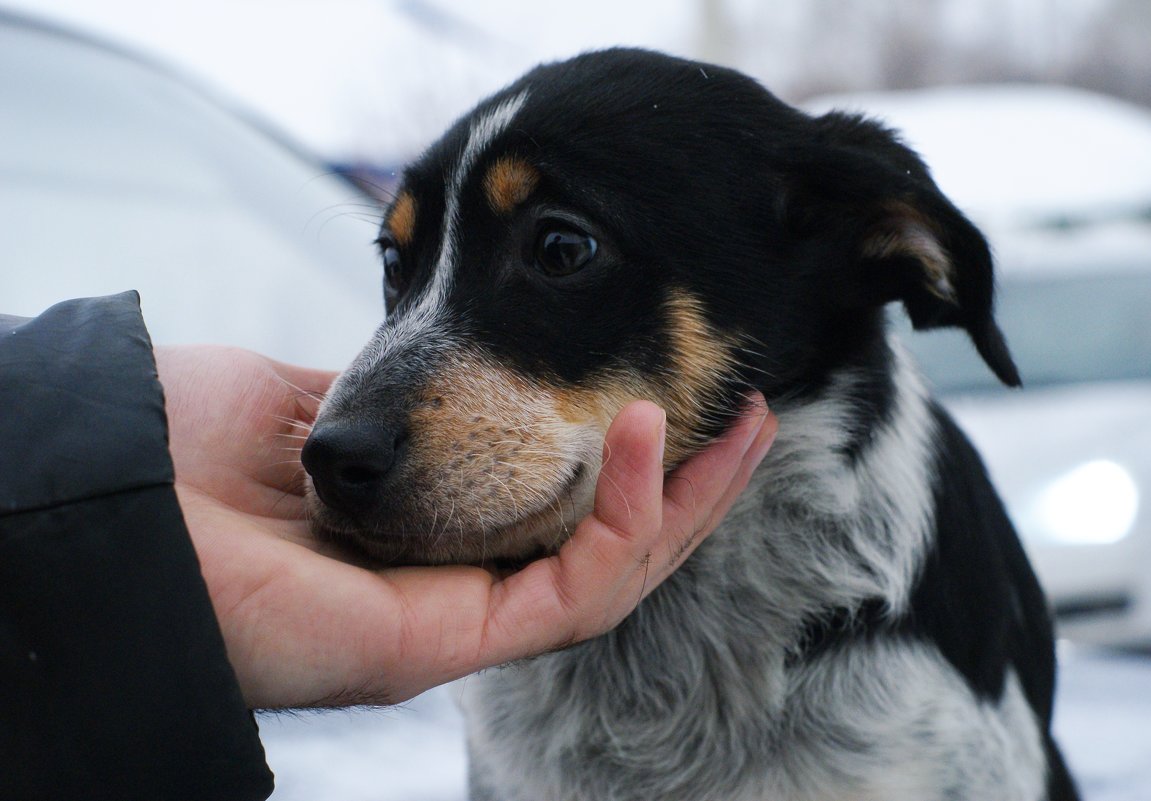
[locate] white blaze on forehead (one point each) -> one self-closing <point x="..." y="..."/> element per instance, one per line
<point x="423" y="322"/>
<point x="484" y="130"/>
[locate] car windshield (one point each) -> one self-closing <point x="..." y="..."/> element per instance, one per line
<point x="1061" y="329"/>
<point x="116" y="174"/>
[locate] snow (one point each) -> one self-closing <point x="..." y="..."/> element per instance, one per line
<point x="414" y="752"/>
<point x="1103" y="722"/>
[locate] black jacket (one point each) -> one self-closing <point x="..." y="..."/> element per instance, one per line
<point x="114" y="681"/>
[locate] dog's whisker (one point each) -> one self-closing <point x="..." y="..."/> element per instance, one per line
<point x="435" y="493"/>
<point x="435" y="520"/>
<point x="301" y="391"/>
<point x="534" y="496"/>
<point x="447" y="524"/>
<point x="282" y="462"/>
<point x="619" y="490"/>
<point x="563" y="531"/>
<point x="511" y="495"/>
<point x="293" y="422"/>
<point x="373" y="188"/>
<point x="338" y="210"/>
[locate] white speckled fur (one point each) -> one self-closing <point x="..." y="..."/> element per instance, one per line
<point x="695" y="698"/>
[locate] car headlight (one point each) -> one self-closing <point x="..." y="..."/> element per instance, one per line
<point x="1093" y="504"/>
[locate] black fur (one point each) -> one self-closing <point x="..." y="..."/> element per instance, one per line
<point x="792" y="234"/>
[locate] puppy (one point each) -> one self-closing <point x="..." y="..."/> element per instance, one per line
<point x="864" y="624"/>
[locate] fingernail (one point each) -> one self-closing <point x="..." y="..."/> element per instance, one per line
<point x="662" y="434"/>
<point x="755" y="406"/>
<point x="754" y="403"/>
<point x="764" y="436"/>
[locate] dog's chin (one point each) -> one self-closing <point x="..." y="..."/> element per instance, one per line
<point x="401" y="541"/>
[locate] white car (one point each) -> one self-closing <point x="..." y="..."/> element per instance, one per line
<point x="117" y="174"/>
<point x="1060" y="180"/>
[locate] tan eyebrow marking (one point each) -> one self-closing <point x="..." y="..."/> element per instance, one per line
<point x="508" y="183"/>
<point x="402" y="219"/>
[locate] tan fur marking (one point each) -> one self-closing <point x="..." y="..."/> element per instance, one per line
<point x="402" y="219"/>
<point x="508" y="183"/>
<point x="906" y="233"/>
<point x="703" y="359"/>
<point x="700" y="359"/>
<point x="495" y="454"/>
<point x="495" y="457"/>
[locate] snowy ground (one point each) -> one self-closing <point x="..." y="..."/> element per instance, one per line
<point x="415" y="753"/>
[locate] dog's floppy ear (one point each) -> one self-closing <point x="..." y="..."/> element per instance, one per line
<point x="910" y="242"/>
<point x="922" y="251"/>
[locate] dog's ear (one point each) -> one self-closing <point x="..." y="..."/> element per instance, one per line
<point x="909" y="242"/>
<point x="921" y="250"/>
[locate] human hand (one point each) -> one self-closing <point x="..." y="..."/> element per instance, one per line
<point x="303" y="627"/>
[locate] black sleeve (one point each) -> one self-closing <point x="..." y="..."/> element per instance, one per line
<point x="114" y="680"/>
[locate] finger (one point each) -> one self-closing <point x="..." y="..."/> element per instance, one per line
<point x="701" y="491"/>
<point x="764" y="439"/>
<point x="629" y="490"/>
<point x="593" y="582"/>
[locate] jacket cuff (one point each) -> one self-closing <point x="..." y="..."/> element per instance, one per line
<point x="85" y="413"/>
<point x="117" y="682"/>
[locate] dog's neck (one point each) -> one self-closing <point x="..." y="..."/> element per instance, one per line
<point x="837" y="517"/>
<point x="840" y="509"/>
<point x="702" y="664"/>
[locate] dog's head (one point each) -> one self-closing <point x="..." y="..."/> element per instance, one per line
<point x="621" y="225"/>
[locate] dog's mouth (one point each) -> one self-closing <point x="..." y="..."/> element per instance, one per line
<point x="439" y="531"/>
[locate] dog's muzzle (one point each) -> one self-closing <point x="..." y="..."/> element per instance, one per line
<point x="449" y="458"/>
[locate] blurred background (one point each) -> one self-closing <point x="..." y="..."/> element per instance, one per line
<point x="228" y="159"/>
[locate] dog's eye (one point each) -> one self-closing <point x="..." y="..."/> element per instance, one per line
<point x="563" y="251"/>
<point x="393" y="268"/>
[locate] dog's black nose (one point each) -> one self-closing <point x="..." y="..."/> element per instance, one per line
<point x="349" y="463"/>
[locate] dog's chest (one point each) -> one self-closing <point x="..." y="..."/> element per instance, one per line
<point x="877" y="721"/>
<point x="704" y="695"/>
